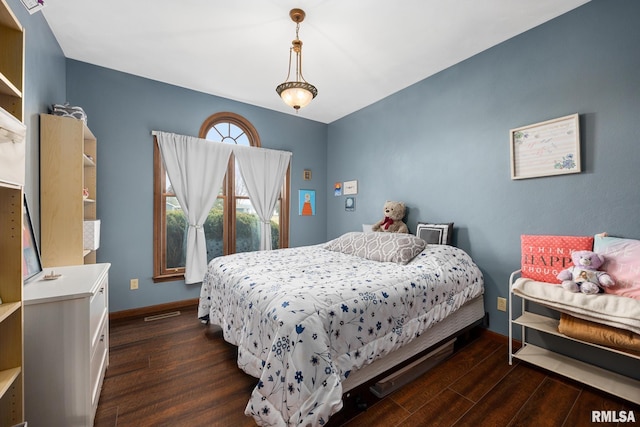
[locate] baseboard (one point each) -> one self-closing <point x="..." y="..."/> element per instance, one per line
<point x="502" y="339"/>
<point x="152" y="309"/>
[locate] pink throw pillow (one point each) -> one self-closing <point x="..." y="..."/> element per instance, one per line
<point x="543" y="257"/>
<point x="622" y="263"/>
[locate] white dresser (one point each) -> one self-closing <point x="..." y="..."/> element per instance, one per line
<point x="66" y="345"/>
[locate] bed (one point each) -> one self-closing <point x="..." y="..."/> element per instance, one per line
<point x="307" y="321"/>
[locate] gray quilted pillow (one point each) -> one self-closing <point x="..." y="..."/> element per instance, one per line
<point x="385" y="247"/>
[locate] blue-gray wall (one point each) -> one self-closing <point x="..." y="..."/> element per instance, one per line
<point x="122" y="110"/>
<point x="442" y="145"/>
<point x="45" y="71"/>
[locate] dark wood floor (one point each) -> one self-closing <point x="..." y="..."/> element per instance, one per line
<point x="179" y="372"/>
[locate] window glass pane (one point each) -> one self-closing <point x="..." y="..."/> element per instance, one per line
<point x="176" y="234"/>
<point x="234" y="131"/>
<point x="213" y="230"/>
<point x="247" y="227"/>
<point x="173" y="205"/>
<point x="214" y="135"/>
<point x="218" y="132"/>
<point x="240" y="188"/>
<point x="275" y="227"/>
<point x="167" y="188"/>
<point x="243" y="140"/>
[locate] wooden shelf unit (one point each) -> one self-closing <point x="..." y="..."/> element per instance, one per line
<point x="586" y="373"/>
<point x="11" y="314"/>
<point x="11" y="216"/>
<point x="68" y="151"/>
<point x="11" y="62"/>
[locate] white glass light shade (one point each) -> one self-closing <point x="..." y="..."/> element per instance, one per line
<point x="297" y="94"/>
<point x="296" y="97"/>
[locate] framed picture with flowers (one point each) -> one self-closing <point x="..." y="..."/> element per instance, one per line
<point x="546" y="148"/>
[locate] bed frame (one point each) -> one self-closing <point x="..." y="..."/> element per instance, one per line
<point x="470" y="314"/>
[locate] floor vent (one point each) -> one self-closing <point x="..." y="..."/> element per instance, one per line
<point x="161" y="316"/>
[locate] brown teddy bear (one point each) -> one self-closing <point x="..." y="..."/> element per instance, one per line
<point x="392" y="221"/>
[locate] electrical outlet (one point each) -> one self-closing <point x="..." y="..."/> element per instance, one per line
<point x="134" y="284"/>
<point x="502" y="304"/>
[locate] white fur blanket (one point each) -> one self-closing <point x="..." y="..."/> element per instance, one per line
<point x="608" y="309"/>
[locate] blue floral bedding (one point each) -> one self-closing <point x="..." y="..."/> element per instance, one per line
<point x="305" y="318"/>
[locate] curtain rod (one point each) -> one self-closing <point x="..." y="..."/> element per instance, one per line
<point x="234" y="147"/>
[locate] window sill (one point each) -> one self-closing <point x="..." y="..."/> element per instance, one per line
<point x="172" y="277"/>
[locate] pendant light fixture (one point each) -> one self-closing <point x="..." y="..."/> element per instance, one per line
<point x="297" y="93"/>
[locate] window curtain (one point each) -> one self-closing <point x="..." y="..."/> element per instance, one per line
<point x="196" y="168"/>
<point x="263" y="173"/>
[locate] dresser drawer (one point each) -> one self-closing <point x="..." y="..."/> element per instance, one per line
<point x="98" y="307"/>
<point x="99" y="361"/>
<point x="101" y="334"/>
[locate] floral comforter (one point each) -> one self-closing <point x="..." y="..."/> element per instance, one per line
<point x="304" y="318"/>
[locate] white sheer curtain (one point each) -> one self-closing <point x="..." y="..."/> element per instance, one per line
<point x="263" y="173"/>
<point x="196" y="168"/>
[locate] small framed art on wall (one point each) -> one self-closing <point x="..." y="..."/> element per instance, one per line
<point x="306" y="202"/>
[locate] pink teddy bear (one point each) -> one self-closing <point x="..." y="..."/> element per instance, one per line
<point x="584" y="276"/>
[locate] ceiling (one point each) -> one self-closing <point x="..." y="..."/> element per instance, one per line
<point x="355" y="52"/>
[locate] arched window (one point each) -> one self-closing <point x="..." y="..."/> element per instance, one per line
<point x="232" y="225"/>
